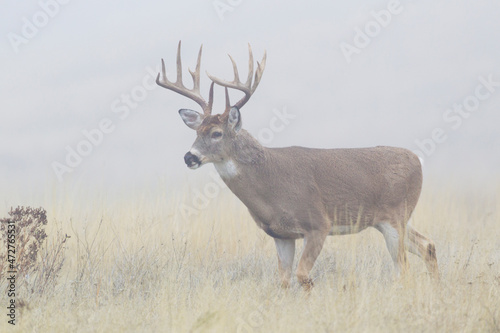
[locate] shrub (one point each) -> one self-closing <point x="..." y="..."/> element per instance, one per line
<point x="37" y="263"/>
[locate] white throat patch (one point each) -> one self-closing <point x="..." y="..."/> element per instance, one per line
<point x="226" y="169"/>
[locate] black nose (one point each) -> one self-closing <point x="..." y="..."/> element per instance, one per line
<point x="191" y="159"/>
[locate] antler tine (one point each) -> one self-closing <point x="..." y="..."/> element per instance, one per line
<point x="179" y="65"/>
<point x="178" y="86"/>
<point x="246" y="87"/>
<point x="196" y="74"/>
<point x="163" y="71"/>
<point x="228" y="103"/>
<point x="250" y="66"/>
<point x="260" y="70"/>
<point x="235" y="70"/>
<point x="211" y="97"/>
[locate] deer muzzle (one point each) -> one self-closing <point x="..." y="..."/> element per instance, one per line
<point x="192" y="161"/>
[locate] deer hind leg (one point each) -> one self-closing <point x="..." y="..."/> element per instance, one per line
<point x="394" y="239"/>
<point x="286" y="252"/>
<point x="424" y="248"/>
<point x="313" y="243"/>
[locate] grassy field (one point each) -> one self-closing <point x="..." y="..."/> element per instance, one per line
<point x="140" y="266"/>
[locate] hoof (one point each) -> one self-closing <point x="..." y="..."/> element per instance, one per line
<point x="307" y="284"/>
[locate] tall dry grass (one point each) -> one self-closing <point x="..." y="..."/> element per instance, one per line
<point x="138" y="266"/>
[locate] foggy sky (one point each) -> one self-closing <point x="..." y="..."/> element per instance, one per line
<point x="88" y="64"/>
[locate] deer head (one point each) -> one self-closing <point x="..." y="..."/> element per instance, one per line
<point x="215" y="133"/>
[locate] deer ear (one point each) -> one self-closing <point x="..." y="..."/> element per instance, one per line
<point x="234" y="119"/>
<point x="191" y="118"/>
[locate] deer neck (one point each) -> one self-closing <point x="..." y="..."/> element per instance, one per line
<point x="246" y="152"/>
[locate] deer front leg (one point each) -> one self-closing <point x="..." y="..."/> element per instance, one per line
<point x="313" y="243"/>
<point x="286" y="253"/>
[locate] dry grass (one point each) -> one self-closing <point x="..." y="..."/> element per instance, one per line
<point x="139" y="267"/>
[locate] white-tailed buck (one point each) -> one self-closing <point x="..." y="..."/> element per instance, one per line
<point x="298" y="192"/>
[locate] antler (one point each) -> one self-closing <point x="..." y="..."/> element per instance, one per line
<point x="179" y="87"/>
<point x="246" y="87"/>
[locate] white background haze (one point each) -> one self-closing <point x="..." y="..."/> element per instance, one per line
<point x="75" y="69"/>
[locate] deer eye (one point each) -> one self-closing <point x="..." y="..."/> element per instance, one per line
<point x="216" y="135"/>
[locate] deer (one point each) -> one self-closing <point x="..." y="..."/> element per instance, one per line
<point x="304" y="193"/>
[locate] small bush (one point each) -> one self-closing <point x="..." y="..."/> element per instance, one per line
<point x="37" y="262"/>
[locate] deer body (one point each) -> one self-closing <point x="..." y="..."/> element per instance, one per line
<point x="308" y="193"/>
<point x="285" y="188"/>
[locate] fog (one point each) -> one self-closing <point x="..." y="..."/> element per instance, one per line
<point x="77" y="78"/>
